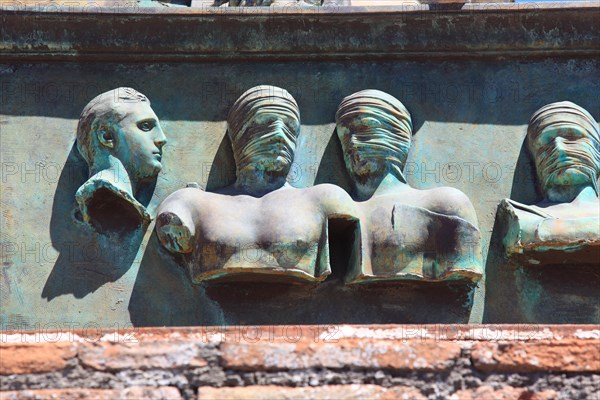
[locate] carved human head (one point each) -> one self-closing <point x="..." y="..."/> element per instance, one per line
<point x="263" y="126"/>
<point x="121" y="124"/>
<point x="375" y="130"/>
<point x="564" y="141"/>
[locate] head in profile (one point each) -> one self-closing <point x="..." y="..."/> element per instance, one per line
<point x="375" y="131"/>
<point x="120" y="138"/>
<point x="263" y="126"/>
<point x="121" y="125"/>
<point x="564" y="141"/>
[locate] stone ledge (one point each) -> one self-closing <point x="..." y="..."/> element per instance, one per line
<point x="518" y="349"/>
<point x="190" y="35"/>
<point x="457" y="362"/>
<point x="317" y="333"/>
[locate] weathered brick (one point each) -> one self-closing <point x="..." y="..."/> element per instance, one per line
<point x="133" y="393"/>
<point x="332" y="392"/>
<point x="106" y="356"/>
<point x="345" y="353"/>
<point x="32" y="358"/>
<point x="560" y="356"/>
<point x="504" y="393"/>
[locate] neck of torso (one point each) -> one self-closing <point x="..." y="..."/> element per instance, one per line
<point x="389" y="184"/>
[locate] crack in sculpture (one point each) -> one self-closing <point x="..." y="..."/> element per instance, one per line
<point x="406" y="234"/>
<point x="564" y="142"/>
<point x="120" y="138"/>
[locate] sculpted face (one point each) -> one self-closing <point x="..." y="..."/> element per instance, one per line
<point x="564" y="156"/>
<point x="139" y="140"/>
<point x="121" y="124"/>
<point x="375" y="132"/>
<point x="271" y="142"/>
<point x="363" y="139"/>
<point x="565" y="144"/>
<point x="263" y="125"/>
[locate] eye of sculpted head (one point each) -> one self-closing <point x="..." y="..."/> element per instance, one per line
<point x="375" y="130"/>
<point x="263" y="126"/>
<point x="121" y="123"/>
<point x="564" y="140"/>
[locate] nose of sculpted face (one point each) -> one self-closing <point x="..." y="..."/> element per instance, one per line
<point x="142" y="142"/>
<point x="273" y="147"/>
<point x="563" y="158"/>
<point x="159" y="139"/>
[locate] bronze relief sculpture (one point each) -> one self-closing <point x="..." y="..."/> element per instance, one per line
<point x="121" y="139"/>
<point x="260" y="228"/>
<point x="406" y="234"/>
<point x="564" y="142"/>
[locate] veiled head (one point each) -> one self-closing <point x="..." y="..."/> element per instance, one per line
<point x="263" y="126"/>
<point x="564" y="141"/>
<point x="375" y="130"/>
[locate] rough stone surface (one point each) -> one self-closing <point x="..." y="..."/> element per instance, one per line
<point x="504" y="393"/>
<point x="564" y="356"/>
<point x="34" y="358"/>
<point x="334" y="392"/>
<point x="134" y="393"/>
<point x="189" y="364"/>
<point x="347" y="353"/>
<point x="142" y="355"/>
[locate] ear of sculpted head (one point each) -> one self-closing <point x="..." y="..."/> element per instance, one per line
<point x="564" y="141"/>
<point x="121" y="139"/>
<point x="375" y="130"/>
<point x="263" y="126"/>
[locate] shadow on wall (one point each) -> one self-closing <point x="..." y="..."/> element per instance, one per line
<point x="551" y="294"/>
<point x="87" y="260"/>
<point x="524" y="185"/>
<point x="331" y="166"/>
<point x="163" y="295"/>
<point x="476" y="92"/>
<point x="222" y="170"/>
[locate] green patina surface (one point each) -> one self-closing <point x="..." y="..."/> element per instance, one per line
<point x="469" y="118"/>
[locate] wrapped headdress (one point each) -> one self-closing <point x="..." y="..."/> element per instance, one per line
<point x="584" y="152"/>
<point x="244" y="112"/>
<point x="392" y="137"/>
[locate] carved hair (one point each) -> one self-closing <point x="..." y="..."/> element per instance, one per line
<point x="245" y="133"/>
<point x="584" y="152"/>
<point x="392" y="138"/>
<point x="103" y="107"/>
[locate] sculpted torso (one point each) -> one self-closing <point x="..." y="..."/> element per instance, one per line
<point x="283" y="232"/>
<point x="564" y="142"/>
<point x="406" y="233"/>
<point x="413" y="234"/>
<point x="555" y="224"/>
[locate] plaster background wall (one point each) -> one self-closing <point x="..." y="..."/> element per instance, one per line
<point x="470" y="118"/>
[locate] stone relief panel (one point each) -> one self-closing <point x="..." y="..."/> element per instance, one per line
<point x="120" y="138"/>
<point x="405" y="233"/>
<point x="564" y="142"/>
<point x="260" y="228"/>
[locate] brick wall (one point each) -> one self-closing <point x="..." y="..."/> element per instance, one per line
<point x="304" y="362"/>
